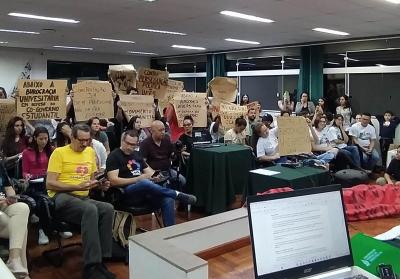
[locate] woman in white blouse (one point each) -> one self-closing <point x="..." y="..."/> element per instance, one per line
<point x="344" y="109"/>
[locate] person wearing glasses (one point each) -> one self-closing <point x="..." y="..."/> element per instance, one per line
<point x="392" y="173"/>
<point x="364" y="136"/>
<point x="126" y="168"/>
<point x="70" y="176"/>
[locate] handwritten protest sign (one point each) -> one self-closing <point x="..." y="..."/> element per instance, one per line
<point x="7" y="110"/>
<point x="93" y="98"/>
<point x="153" y="82"/>
<point x="41" y="99"/>
<point x="138" y="105"/>
<point x="174" y="87"/>
<point x="229" y="113"/>
<point x="293" y="136"/>
<point x="223" y="88"/>
<point x="123" y="78"/>
<point x="193" y="104"/>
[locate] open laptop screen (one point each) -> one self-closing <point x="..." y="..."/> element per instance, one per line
<point x="298" y="231"/>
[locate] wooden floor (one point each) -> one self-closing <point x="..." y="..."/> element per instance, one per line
<point x="233" y="265"/>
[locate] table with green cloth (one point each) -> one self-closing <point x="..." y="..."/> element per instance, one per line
<point x="216" y="174"/>
<point x="296" y="178"/>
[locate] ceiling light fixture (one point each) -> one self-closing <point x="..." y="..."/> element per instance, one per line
<point x="332" y="63"/>
<point x="245" y="16"/>
<point x="380" y="65"/>
<point x="393" y="1"/>
<point x="162" y="31"/>
<point x="65" y="20"/>
<point x="73" y="47"/>
<point x="3" y="42"/>
<point x="331" y="31"/>
<point x="113" y="40"/>
<point x="294" y="59"/>
<point x="242" y="41"/>
<point x="188" y="47"/>
<point x="18" y="31"/>
<point x="142" y="53"/>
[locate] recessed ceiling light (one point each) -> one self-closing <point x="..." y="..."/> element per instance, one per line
<point x="162" y="31"/>
<point x="380" y="65"/>
<point x="65" y="20"/>
<point x="242" y="41"/>
<point x="332" y="63"/>
<point x="294" y="59"/>
<point x="188" y="47"/>
<point x="18" y="31"/>
<point x="3" y="42"/>
<point x="393" y="1"/>
<point x="73" y="47"/>
<point x="113" y="40"/>
<point x="142" y="53"/>
<point x="245" y="16"/>
<point x="331" y="31"/>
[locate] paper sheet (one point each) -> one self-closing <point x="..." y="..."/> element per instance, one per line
<point x="390" y="234"/>
<point x="265" y="172"/>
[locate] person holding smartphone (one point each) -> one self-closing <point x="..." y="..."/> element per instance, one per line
<point x="70" y="176"/>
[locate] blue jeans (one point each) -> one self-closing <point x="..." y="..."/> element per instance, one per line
<point x="326" y="157"/>
<point x="172" y="181"/>
<point x="146" y="191"/>
<point x="352" y="152"/>
<point x="369" y="160"/>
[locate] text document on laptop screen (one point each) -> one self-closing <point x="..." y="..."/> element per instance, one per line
<point x="296" y="231"/>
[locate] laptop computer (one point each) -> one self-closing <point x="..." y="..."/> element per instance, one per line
<point x="301" y="234"/>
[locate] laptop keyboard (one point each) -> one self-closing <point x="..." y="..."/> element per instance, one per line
<point x="356" y="277"/>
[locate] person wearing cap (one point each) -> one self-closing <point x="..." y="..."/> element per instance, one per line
<point x="268" y="120"/>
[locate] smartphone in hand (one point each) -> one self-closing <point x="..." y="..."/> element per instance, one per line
<point x="156" y="173"/>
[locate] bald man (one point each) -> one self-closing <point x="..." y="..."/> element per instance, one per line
<point x="158" y="150"/>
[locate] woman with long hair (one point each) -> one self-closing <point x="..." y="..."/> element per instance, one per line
<point x="244" y="100"/>
<point x="97" y="134"/>
<point x="136" y="124"/>
<point x="63" y="134"/>
<point x="304" y="106"/>
<point x="344" y="109"/>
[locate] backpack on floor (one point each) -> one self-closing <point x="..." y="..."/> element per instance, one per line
<point x="124" y="226"/>
<point x="350" y="177"/>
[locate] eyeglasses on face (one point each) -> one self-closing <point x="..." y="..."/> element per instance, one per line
<point x="134" y="144"/>
<point x="89" y="140"/>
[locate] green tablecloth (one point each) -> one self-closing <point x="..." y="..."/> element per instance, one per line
<point x="303" y="177"/>
<point x="216" y="174"/>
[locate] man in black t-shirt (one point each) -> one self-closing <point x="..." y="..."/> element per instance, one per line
<point x="126" y="168"/>
<point x="392" y="173"/>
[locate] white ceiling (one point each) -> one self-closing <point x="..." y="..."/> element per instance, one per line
<point x="200" y="19"/>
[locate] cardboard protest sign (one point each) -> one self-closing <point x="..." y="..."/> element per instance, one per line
<point x="93" y="98"/>
<point x="7" y="111"/>
<point x="293" y="136"/>
<point x="41" y="99"/>
<point x="123" y="78"/>
<point x="224" y="88"/>
<point x="229" y="113"/>
<point x="138" y="105"/>
<point x="193" y="104"/>
<point x="174" y="87"/>
<point x="152" y="82"/>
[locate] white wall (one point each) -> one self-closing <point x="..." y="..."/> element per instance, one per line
<point x="13" y="61"/>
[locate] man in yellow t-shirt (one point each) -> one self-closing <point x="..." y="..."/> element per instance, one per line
<point x="70" y="176"/>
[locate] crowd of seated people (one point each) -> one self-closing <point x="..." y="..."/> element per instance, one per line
<point x="143" y="164"/>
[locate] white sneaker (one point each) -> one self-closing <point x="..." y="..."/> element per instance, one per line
<point x="65" y="235"/>
<point x="34" y="219"/>
<point x="43" y="239"/>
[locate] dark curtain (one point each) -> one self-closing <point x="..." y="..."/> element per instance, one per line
<point x="311" y="77"/>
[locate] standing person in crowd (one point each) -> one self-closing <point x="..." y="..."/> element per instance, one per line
<point x="63" y="134"/>
<point x="70" y="176"/>
<point x="14" y="226"/>
<point x="337" y="137"/>
<point x="237" y="134"/>
<point x="158" y="152"/>
<point x="251" y="123"/>
<point x="344" y="109"/>
<point x="35" y="160"/>
<point x="126" y="168"/>
<point x="245" y="100"/>
<point x="96" y="133"/>
<point x="216" y="130"/>
<point x="286" y="103"/>
<point x="136" y="124"/>
<point x="304" y="106"/>
<point x="387" y="124"/>
<point x="3" y="94"/>
<point x="392" y="173"/>
<point x="175" y="130"/>
<point x="15" y="141"/>
<point x="364" y="136"/>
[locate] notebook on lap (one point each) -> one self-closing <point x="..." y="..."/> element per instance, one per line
<point x="301" y="234"/>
